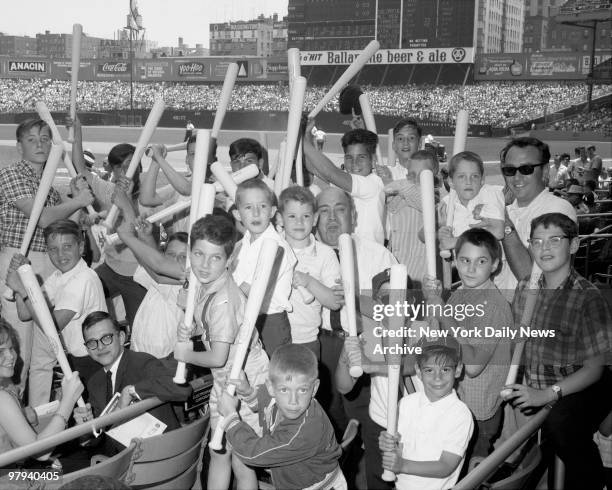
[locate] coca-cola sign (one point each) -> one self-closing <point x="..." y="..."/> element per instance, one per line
<point x="192" y="69"/>
<point x="117" y="67"/>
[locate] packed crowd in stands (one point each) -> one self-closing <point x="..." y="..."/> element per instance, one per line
<point x="500" y="104"/>
<point x="598" y="121"/>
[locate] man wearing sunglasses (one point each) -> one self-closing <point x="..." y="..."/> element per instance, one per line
<point x="523" y="164"/>
<point x="136" y="375"/>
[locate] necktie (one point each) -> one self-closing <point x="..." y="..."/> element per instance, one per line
<point x="109" y="386"/>
<point x="334" y="315"/>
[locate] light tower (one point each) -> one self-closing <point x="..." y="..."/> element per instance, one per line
<point x="133" y="25"/>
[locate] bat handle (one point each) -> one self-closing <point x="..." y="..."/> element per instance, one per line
<point x="216" y="441"/>
<point x="111" y="216"/>
<point x="180" y="374"/>
<point x="356" y="371"/>
<point x="388" y="476"/>
<point x="445" y="254"/>
<point x="81" y="402"/>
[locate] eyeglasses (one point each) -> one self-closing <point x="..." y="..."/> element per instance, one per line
<point x="92" y="344"/>
<point x="523" y="169"/>
<point x="554" y="241"/>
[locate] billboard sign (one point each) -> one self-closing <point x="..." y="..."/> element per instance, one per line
<point x="113" y="69"/>
<point x="424" y="56"/>
<point x="27" y="66"/>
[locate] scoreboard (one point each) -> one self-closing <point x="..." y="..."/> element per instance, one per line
<point x="319" y="25"/>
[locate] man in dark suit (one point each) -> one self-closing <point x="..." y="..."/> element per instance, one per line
<point x="133" y="374"/>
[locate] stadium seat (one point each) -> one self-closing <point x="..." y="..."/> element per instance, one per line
<point x="165" y="459"/>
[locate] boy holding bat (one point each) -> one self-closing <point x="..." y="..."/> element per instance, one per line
<point x="355" y="177"/>
<point x="486" y="357"/>
<point x="317" y="270"/>
<point x="219" y="314"/>
<point x="74" y="291"/>
<point x="434" y="426"/>
<point x="19" y="185"/>
<point x="298" y="441"/>
<point x="567" y="366"/>
<point x="256" y="206"/>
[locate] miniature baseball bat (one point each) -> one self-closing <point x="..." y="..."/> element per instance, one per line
<point x="530" y="302"/>
<point x="429" y="219"/>
<point x="265" y="262"/>
<point x="40" y="199"/>
<point x="199" y="170"/>
<point x="461" y="131"/>
<point x="370" y="122"/>
<point x="229" y="182"/>
<point x="45" y="115"/>
<point x="145" y="136"/>
<point x="224" y="99"/>
<point x="299" y="165"/>
<point x="390" y="150"/>
<point x="293" y="66"/>
<point x="347" y="270"/>
<point x="293" y="128"/>
<point x="77" y="31"/>
<point x="274" y="169"/>
<point x="171" y="148"/>
<point x="45" y="320"/>
<point x="349" y="73"/>
<point x="397" y="295"/>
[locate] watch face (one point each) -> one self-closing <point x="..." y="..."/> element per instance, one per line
<point x="507" y="230"/>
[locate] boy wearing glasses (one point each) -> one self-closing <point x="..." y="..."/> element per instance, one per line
<point x="136" y="375"/>
<point x="522" y="164"/>
<point x="568" y="369"/>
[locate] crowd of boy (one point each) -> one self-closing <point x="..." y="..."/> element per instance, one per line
<point x="296" y="394"/>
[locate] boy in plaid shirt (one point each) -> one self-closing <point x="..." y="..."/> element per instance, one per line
<point x="567" y="367"/>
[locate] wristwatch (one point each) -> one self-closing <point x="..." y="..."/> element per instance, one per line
<point x="557" y="391"/>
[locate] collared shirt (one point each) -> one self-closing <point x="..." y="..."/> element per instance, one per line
<point x="78" y="290"/>
<point x="115" y="366"/>
<point x="490" y="196"/>
<point x="557" y="175"/>
<point x="19" y="181"/>
<point x="581" y="320"/>
<point x="320" y="261"/>
<point x="545" y="202"/>
<point x="244" y="260"/>
<point x="492" y="311"/>
<point x="426" y="430"/>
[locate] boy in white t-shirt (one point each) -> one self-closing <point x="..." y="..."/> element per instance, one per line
<point x="317" y="269"/>
<point x="434" y="427"/>
<point x="355" y="177"/>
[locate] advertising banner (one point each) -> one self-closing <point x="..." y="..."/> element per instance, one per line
<point x="62" y="70"/>
<point x="424" y="56"/>
<point x="153" y="71"/>
<point x="192" y="70"/>
<point x="112" y="70"/>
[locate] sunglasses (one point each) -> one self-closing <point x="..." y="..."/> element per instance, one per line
<point x="523" y="169"/>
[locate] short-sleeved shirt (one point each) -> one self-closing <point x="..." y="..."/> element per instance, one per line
<point x="19" y="181"/>
<point x="369" y="196"/>
<point x="244" y="262"/>
<point x="581" y="320"/>
<point x="492" y="199"/>
<point x="544" y="203"/>
<point x="78" y="290"/>
<point x="320" y="261"/>
<point x="481" y="393"/>
<point x="426" y="430"/>
<point x="158" y="316"/>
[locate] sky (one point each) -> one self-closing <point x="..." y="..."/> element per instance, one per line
<point x="164" y="20"/>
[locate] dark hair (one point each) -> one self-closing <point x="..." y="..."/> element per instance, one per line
<point x="524" y="142"/>
<point x="242" y="146"/>
<point x="28" y="124"/>
<point x="299" y="194"/>
<point x="291" y="360"/>
<point x="565" y="156"/>
<point x="96" y="317"/>
<point x="215" y="229"/>
<point x="7" y="332"/>
<point x="591" y="184"/>
<point x="480" y="237"/>
<point x="402" y="123"/>
<point x="428" y="156"/>
<point x="117" y="155"/>
<point x="567" y="225"/>
<point x="442" y="356"/>
<point x="179" y="236"/>
<point x="591" y="147"/>
<point x="360" y="136"/>
<point x="255" y="183"/>
<point x="468" y="156"/>
<point x="63" y="227"/>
